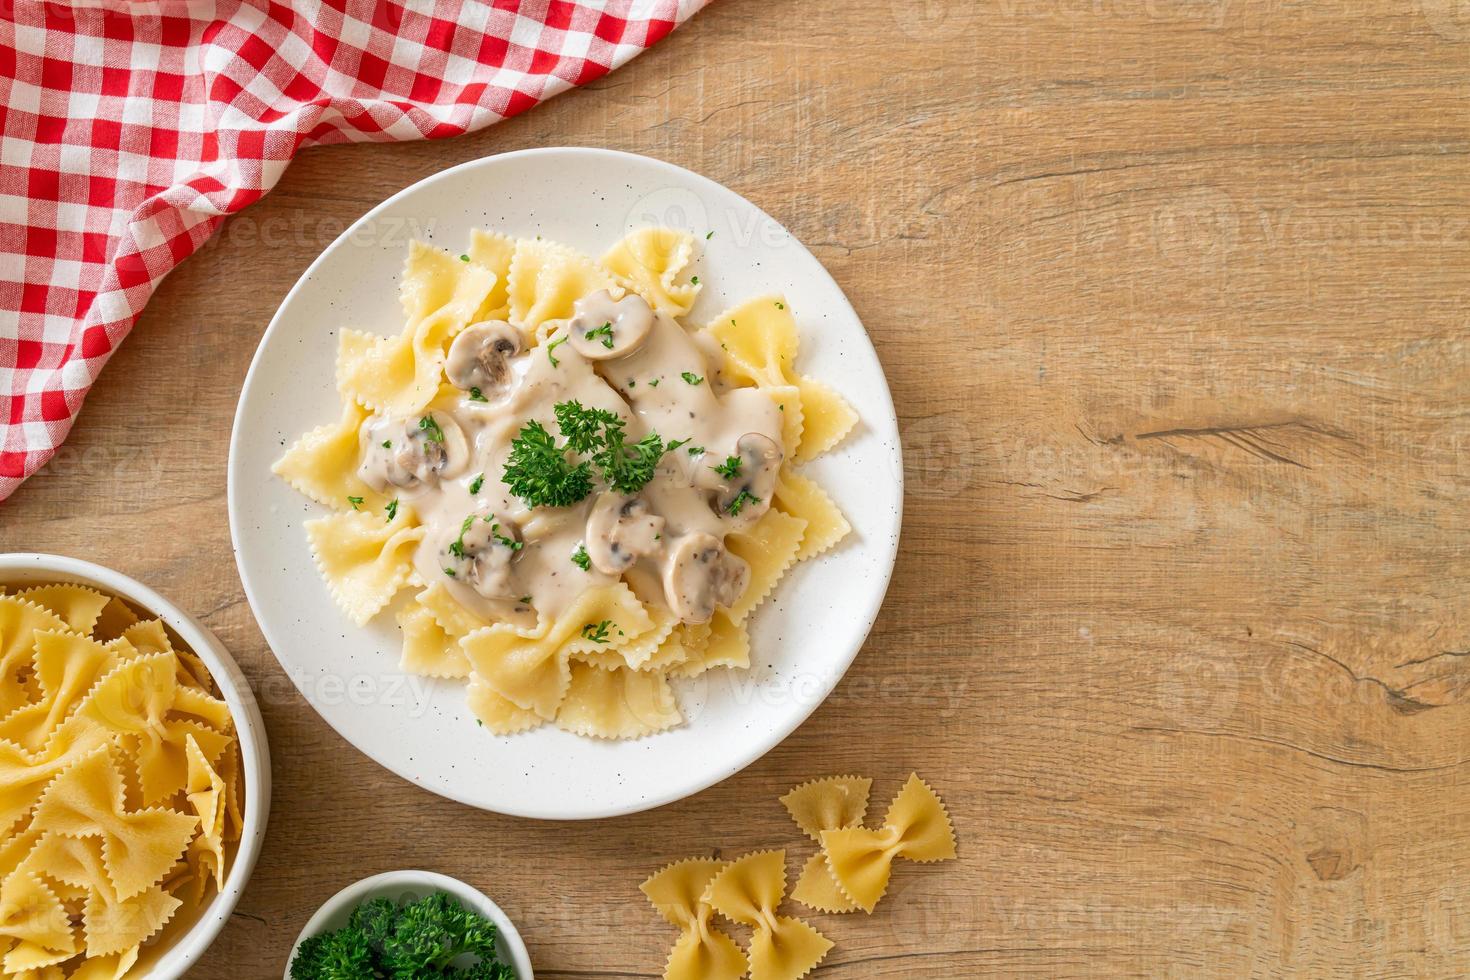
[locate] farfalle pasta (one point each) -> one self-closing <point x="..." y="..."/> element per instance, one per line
<point x="916" y="827"/>
<point x="648" y="262"/>
<point x="850" y="872"/>
<point x="402" y="374"/>
<point x="818" y="806"/>
<point x="119" y="785"/>
<point x="759" y="339"/>
<point x="567" y="498"/>
<point x="749" y="891"/>
<point x="702" y="951"/>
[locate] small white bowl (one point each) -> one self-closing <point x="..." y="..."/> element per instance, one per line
<point x="22" y="570"/>
<point x="399" y="885"/>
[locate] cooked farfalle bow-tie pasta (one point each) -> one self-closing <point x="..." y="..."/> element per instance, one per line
<point x="584" y="496"/>
<point x="120" y="788"/>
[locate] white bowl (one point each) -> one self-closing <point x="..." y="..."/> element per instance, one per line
<point x="803" y="638"/>
<point x="398" y="885"/>
<point x="21" y="570"/>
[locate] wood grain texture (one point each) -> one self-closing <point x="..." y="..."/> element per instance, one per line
<point x="1180" y="624"/>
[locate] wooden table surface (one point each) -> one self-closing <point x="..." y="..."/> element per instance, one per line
<point x="1172" y="296"/>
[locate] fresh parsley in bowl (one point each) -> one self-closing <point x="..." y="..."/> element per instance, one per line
<point x="409" y="925"/>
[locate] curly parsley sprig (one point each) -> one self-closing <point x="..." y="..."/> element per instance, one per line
<point x="543" y="473"/>
<point x="584" y="428"/>
<point x="628" y="469"/>
<point x="539" y="472"/>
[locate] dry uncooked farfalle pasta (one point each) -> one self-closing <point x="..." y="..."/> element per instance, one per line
<point x="749" y="891"/>
<point x="850" y="872"/>
<point x="916" y="827"/>
<point x="139" y="847"/>
<point x="701" y="951"/>
<point x="816" y="806"/>
<point x="119" y="786"/>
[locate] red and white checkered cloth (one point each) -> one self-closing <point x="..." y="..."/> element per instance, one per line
<point x="129" y="130"/>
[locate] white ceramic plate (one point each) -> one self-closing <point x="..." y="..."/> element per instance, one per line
<point x="803" y="638"/>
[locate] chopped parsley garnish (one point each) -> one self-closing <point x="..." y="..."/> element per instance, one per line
<point x="627" y="469"/>
<point x="449" y="572"/>
<point x="539" y="472"/>
<point x="582" y="427"/>
<point x="543" y="473"/>
<point x="510" y="543"/>
<point x="477" y="483"/>
<point x="524" y="600"/>
<point x="581" y="559"/>
<point x="387" y="443"/>
<point x="694" y="280"/>
<point x="456" y="547"/>
<point x="430" y="425"/>
<point x="605" y="332"/>
<point x="696" y="450"/>
<point x="464" y="258"/>
<point x="741" y="499"/>
<point x="675" y="445"/>
<point x="632" y="382"/>
<point x="709" y="236"/>
<point x="691" y="378"/>
<point x="598" y="633"/>
<point x="392" y="937"/>
<point x="551" y="347"/>
<point x="729" y="469"/>
<point x="477" y="396"/>
<point x="356" y="502"/>
<point x="392" y="509"/>
<point x="780" y="305"/>
<point x="653" y="382"/>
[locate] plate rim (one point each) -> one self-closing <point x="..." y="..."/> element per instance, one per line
<point x="758" y="749"/>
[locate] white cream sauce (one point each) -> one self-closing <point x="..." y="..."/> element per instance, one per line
<point x="512" y="561"/>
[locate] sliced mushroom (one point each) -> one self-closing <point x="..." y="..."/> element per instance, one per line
<point x="481" y="554"/>
<point x="700" y="575"/>
<point x="604" y="329"/>
<point x="410" y="451"/>
<point x="747" y="494"/>
<point x="479" y="358"/>
<point x="620" y="531"/>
